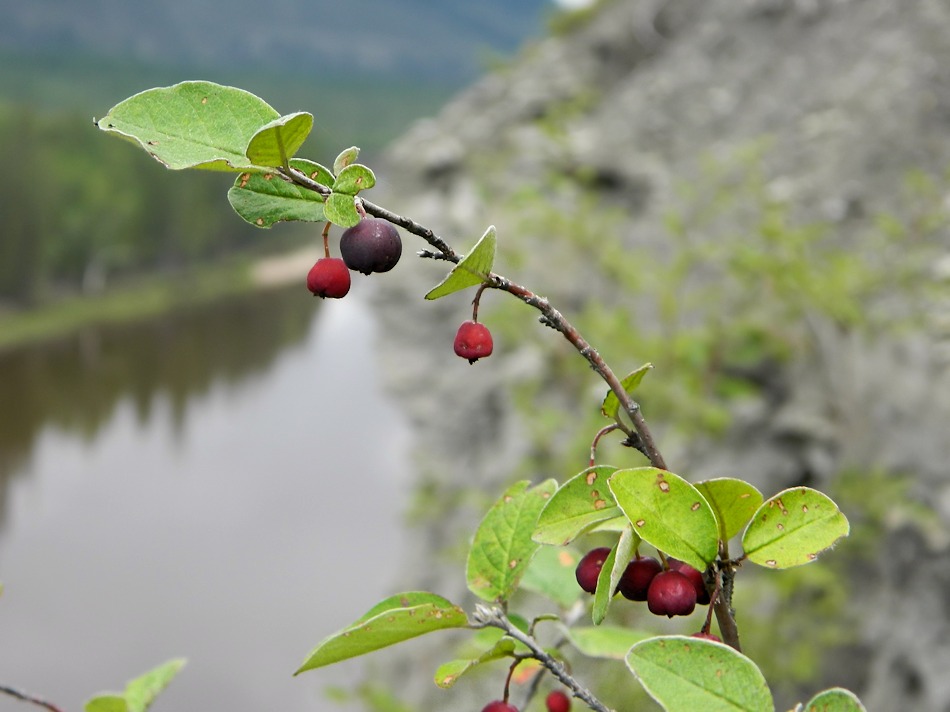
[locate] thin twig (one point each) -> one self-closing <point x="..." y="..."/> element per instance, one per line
<point x="494" y="617"/>
<point x="25" y="697"/>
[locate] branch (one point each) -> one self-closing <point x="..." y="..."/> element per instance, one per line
<point x="494" y="617"/>
<point x="23" y="696"/>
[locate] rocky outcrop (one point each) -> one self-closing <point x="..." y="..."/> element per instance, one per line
<point x="851" y="96"/>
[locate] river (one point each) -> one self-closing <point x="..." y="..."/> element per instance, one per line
<point x="225" y="484"/>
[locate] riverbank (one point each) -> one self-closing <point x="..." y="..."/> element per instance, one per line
<point x="150" y="296"/>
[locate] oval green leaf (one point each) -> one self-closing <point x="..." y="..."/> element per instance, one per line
<point x="347" y="157"/>
<point x="141" y="692"/>
<point x="398" y="618"/>
<point x="353" y="179"/>
<point x="276" y="142"/>
<point x="837" y="699"/>
<point x="340" y="209"/>
<point x="792" y="528"/>
<point x="551" y="574"/>
<point x="474" y="268"/>
<point x="448" y="674"/>
<point x="263" y="199"/>
<point x="502" y="548"/>
<point x="669" y="513"/>
<point x="614" y="566"/>
<point x="106" y="703"/>
<point x="604" y="641"/>
<point x="733" y="501"/>
<point x="579" y="504"/>
<point x="685" y="674"/>
<point x="611" y="403"/>
<point x="192" y="124"/>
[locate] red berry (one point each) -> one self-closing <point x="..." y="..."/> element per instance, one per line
<point x="671" y="594"/>
<point x="706" y="636"/>
<point x="637" y="577"/>
<point x="329" y="277"/>
<point x="588" y="568"/>
<point x="557" y="701"/>
<point x="473" y="341"/>
<point x="702" y="594"/>
<point x="372" y="245"/>
<point x="499" y="706"/>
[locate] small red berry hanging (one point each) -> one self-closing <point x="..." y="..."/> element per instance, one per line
<point x="499" y="706"/>
<point x="588" y="568"/>
<point x="637" y="577"/>
<point x="558" y="701"/>
<point x="473" y="340"/>
<point x="671" y="594"/>
<point x="329" y="276"/>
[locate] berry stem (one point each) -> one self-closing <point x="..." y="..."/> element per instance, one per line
<point x="326" y="240"/>
<point x="477" y="299"/>
<point x="600" y="433"/>
<point x="25" y="697"/>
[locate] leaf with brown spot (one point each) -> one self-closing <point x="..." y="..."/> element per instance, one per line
<point x="580" y="504"/>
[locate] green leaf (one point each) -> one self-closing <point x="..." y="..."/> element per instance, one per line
<point x="474" y="268"/>
<point x="792" y="528"/>
<point x="669" y="513"/>
<point x="449" y="673"/>
<point x="346" y="158"/>
<point x="192" y="124"/>
<point x="276" y="142"/>
<point x="837" y="699"/>
<point x="263" y="199"/>
<point x="733" y="501"/>
<point x="685" y="674"/>
<point x="141" y="692"/>
<point x="605" y="641"/>
<point x="503" y="547"/>
<point x="340" y="209"/>
<point x="354" y="178"/>
<point x="611" y="572"/>
<point x="611" y="403"/>
<point x="578" y="505"/>
<point x="398" y="618"/>
<point x="551" y="574"/>
<point x="107" y="703"/>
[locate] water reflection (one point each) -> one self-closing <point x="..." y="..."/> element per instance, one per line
<point x="75" y="385"/>
<point x="202" y="501"/>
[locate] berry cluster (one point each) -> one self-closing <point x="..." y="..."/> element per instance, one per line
<point x="372" y="245"/>
<point x="673" y="591"/>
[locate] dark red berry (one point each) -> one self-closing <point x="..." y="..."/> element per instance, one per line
<point x="557" y="701"/>
<point x="329" y="277"/>
<point x="707" y="636"/>
<point x="499" y="706"/>
<point x="671" y="594"/>
<point x="702" y="594"/>
<point x="637" y="577"/>
<point x="588" y="568"/>
<point x="473" y="341"/>
<point x="372" y="245"/>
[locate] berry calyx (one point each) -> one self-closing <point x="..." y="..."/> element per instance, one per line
<point x="372" y="245"/>
<point x="558" y="701"/>
<point x="637" y="577"/>
<point x="329" y="277"/>
<point x="707" y="636"/>
<point x="588" y="568"/>
<point x="473" y="341"/>
<point x="695" y="577"/>
<point x="671" y="594"/>
<point x="499" y="706"/>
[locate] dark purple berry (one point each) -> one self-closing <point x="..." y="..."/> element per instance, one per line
<point x="372" y="245"/>
<point x="671" y="594"/>
<point x="473" y="341"/>
<point x="329" y="277"/>
<point x="637" y="577"/>
<point x="588" y="568"/>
